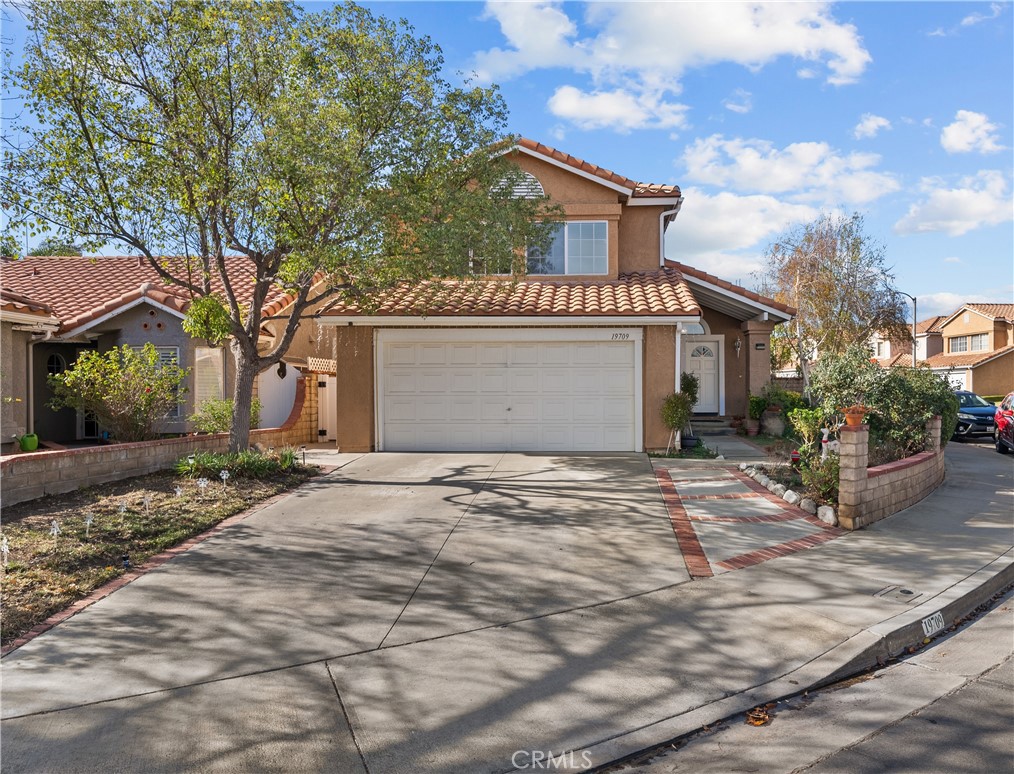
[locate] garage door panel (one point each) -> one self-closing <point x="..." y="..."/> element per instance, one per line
<point x="399" y="354"/>
<point x="492" y="381"/>
<point x="493" y="354"/>
<point x="463" y="409"/>
<point x="496" y="396"/>
<point x="523" y="380"/>
<point x="555" y="380"/>
<point x="463" y="354"/>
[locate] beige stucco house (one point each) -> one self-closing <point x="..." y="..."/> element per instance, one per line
<point x="578" y="355"/>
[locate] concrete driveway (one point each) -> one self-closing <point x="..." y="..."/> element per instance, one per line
<point x="219" y="659"/>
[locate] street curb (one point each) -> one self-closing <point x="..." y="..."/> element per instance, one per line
<point x="866" y="649"/>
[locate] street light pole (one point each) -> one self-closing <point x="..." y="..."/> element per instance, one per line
<point x="915" y="316"/>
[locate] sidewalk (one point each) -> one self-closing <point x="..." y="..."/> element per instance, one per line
<point x="599" y="682"/>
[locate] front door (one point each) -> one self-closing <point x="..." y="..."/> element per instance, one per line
<point x="702" y="359"/>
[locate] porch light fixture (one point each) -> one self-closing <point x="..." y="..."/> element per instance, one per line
<point x="737" y="345"/>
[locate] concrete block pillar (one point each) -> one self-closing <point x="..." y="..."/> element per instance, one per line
<point x="852" y="478"/>
<point x="933" y="431"/>
<point x="757" y="343"/>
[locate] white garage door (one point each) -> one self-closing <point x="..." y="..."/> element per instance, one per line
<point x="487" y="392"/>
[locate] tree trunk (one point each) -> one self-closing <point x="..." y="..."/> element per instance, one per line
<point x="242" y="397"/>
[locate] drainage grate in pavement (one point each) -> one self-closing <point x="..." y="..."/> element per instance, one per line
<point x="899" y="594"/>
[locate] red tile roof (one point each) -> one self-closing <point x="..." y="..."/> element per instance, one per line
<point x="739" y="290"/>
<point x="996" y="311"/>
<point x="930" y="324"/>
<point x="964" y="359"/>
<point x="10" y="301"/>
<point x="660" y="293"/>
<point x="646" y="190"/>
<point x="80" y="290"/>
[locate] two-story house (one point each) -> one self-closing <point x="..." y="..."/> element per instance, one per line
<point x="977" y="348"/>
<point x="577" y="355"/>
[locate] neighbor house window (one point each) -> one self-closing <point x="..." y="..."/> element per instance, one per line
<point x="883" y="349"/>
<point x="959" y="344"/>
<point x="209" y="375"/>
<point x="168" y="356"/>
<point x="580" y="247"/>
<point x="979" y="342"/>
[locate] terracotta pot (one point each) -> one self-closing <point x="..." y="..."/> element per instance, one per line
<point x="854" y="420"/>
<point x="752" y="426"/>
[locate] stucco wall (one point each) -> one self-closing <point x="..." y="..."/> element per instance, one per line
<point x="32" y="475"/>
<point x="995" y="377"/>
<point x="13" y="383"/>
<point x="639" y="238"/>
<point x="659" y="381"/>
<point x="355" y="389"/>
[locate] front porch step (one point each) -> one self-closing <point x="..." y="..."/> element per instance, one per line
<point x="712" y="426"/>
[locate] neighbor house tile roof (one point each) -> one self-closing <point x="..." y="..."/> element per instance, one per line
<point x="965" y="359"/>
<point x="930" y="324"/>
<point x="660" y="293"/>
<point x="80" y="290"/>
<point x="996" y="311"/>
<point x="690" y="271"/>
<point x="11" y="301"/>
<point x="646" y="190"/>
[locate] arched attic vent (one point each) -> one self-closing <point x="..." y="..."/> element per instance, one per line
<point x="528" y="187"/>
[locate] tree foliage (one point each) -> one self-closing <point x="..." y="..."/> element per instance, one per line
<point x="55" y="246"/>
<point x="836" y="277"/>
<point x="129" y="391"/>
<point x="324" y="149"/>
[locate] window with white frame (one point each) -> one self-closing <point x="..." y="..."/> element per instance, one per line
<point x="168" y="356"/>
<point x="959" y="343"/>
<point x="209" y="375"/>
<point x="578" y="247"/>
<point x="978" y="342"/>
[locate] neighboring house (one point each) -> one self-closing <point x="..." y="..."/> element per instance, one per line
<point x="977" y="348"/>
<point x="929" y="342"/>
<point x="21" y="319"/>
<point x="99" y="303"/>
<point x="576" y="356"/>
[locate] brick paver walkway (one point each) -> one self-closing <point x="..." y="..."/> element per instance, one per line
<point x="724" y="520"/>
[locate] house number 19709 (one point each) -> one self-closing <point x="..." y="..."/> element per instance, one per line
<point x="621" y="336"/>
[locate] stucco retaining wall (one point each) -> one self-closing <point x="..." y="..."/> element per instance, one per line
<point x="867" y="495"/>
<point x="32" y="475"/>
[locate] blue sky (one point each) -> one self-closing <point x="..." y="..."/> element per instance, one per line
<point x="767" y="114"/>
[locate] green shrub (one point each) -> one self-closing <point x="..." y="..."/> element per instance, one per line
<point x="845" y="379"/>
<point x="821" y="477"/>
<point x="691" y="385"/>
<point x="758" y="405"/>
<point x="245" y="464"/>
<point x="129" y="391"/>
<point x="676" y="409"/>
<point x="807" y="424"/>
<point x="787" y="399"/>
<point x="215" y="416"/>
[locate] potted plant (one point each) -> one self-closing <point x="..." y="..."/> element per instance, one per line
<point x="755" y="411"/>
<point x="854" y="414"/>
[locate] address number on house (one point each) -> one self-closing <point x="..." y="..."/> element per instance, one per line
<point x="620" y="337"/>
<point x="933" y="624"/>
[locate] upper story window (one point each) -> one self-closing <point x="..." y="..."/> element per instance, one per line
<point x="977" y="342"/>
<point x="883" y="349"/>
<point x="580" y="247"/>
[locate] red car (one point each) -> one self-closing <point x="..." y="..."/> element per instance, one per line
<point x="1003" y="433"/>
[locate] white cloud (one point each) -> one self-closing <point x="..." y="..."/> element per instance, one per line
<point x="869" y="125"/>
<point x="702" y="237"/>
<point x="952" y="259"/>
<point x="811" y="172"/>
<point x="643" y="49"/>
<point x="982" y="200"/>
<point x="620" y="109"/>
<point x="947" y="303"/>
<point x="970" y="132"/>
<point x="741" y="101"/>
<point x="995" y="9"/>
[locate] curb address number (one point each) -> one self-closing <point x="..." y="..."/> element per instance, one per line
<point x="933" y="624"/>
